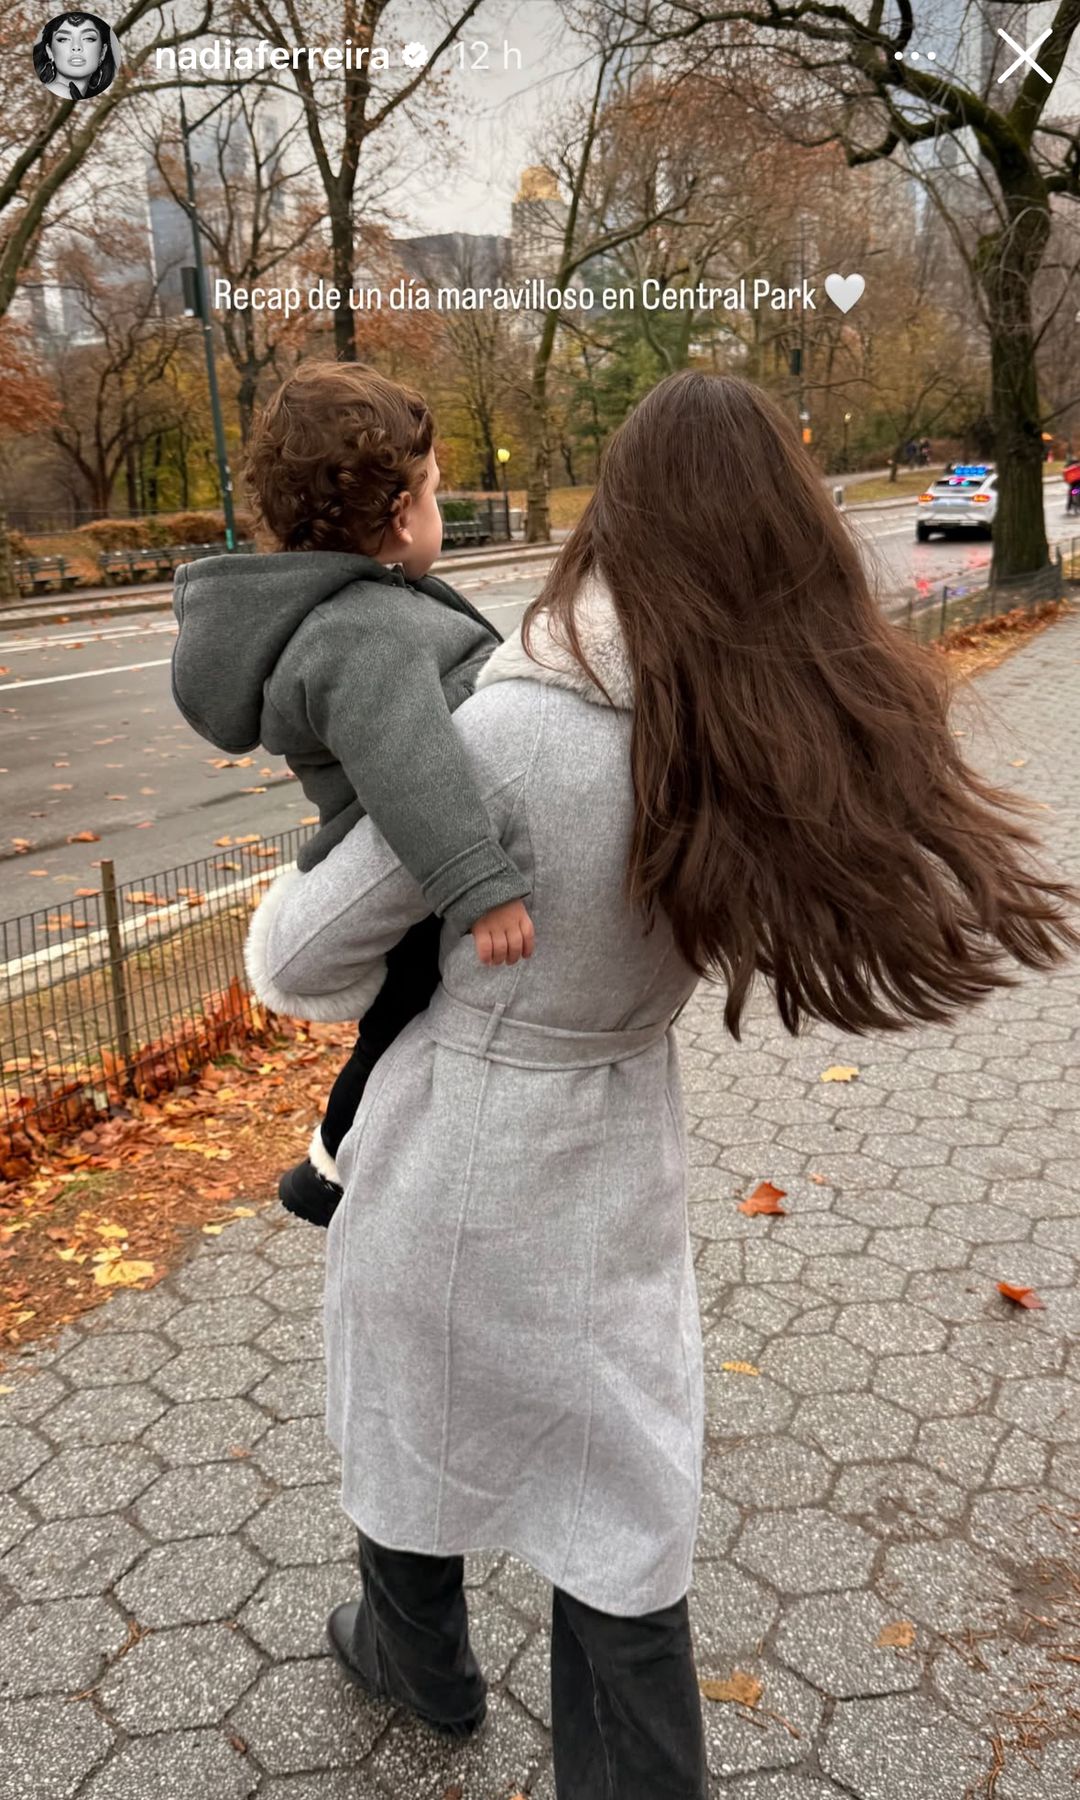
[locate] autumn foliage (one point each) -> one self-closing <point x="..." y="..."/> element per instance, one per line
<point x="115" y="1204"/>
<point x="74" y="1101"/>
<point x="27" y="400"/>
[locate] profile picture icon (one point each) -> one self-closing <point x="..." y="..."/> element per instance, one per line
<point x="76" y="56"/>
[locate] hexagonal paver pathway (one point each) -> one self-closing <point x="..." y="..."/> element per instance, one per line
<point x="888" y="1534"/>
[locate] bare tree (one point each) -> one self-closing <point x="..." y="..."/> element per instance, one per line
<point x="43" y="143"/>
<point x="345" y="110"/>
<point x="479" y="339"/>
<point x="111" y="377"/>
<point x="612" y="197"/>
<point x="861" y="88"/>
<point x="258" y="210"/>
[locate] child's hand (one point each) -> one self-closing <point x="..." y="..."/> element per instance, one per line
<point x="504" y="934"/>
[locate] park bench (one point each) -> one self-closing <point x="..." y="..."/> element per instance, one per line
<point x="136" y="565"/>
<point x="37" y="572"/>
<point x="463" y="531"/>
<point x="139" y="565"/>
<point x="183" y="553"/>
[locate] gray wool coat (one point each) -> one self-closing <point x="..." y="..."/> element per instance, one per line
<point x="511" y="1321"/>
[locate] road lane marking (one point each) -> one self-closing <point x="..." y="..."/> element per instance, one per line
<point x="84" y="638"/>
<point x="176" y="913"/>
<point x="7" y="687"/>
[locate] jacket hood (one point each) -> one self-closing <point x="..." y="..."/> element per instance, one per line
<point x="236" y="614"/>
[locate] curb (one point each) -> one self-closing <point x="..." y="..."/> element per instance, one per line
<point x="85" y="612"/>
<point x="115" y="603"/>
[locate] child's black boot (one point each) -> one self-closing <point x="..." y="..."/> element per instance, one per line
<point x="311" y="1190"/>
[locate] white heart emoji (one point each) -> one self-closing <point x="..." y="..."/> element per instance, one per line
<point x="845" y="291"/>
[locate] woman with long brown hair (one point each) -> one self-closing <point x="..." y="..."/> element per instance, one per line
<point x="715" y="758"/>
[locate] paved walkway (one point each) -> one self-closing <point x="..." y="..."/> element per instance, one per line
<point x="906" y="1463"/>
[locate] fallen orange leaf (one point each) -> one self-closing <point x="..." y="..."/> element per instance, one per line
<point x="84" y="837"/>
<point x="765" y="1199"/>
<point x="898" y="1636"/>
<point x="742" y="1689"/>
<point x="839" y="1072"/>
<point x="1021" y="1296"/>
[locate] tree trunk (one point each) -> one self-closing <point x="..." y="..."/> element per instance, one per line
<point x="185" y="477"/>
<point x="1007" y="264"/>
<point x="7" y="561"/>
<point x="101" y="492"/>
<point x="153" y="484"/>
<point x="131" y="481"/>
<point x="341" y="261"/>
<point x="489" y="467"/>
<point x="538" y="516"/>
<point x="245" y="402"/>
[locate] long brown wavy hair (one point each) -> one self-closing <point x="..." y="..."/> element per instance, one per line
<point x="801" y="807"/>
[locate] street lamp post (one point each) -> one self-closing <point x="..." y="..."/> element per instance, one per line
<point x="502" y="457"/>
<point x="804" y="421"/>
<point x="847" y="422"/>
<point x="224" y="476"/>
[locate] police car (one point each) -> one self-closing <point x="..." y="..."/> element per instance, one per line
<point x="965" y="499"/>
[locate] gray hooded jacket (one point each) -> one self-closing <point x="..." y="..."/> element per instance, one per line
<point x="350" y="672"/>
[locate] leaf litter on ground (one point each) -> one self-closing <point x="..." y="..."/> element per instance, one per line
<point x="143" y="1186"/>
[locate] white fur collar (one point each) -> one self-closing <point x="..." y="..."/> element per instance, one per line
<point x="601" y="639"/>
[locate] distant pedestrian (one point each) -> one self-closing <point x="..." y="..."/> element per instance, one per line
<point x="712" y="755"/>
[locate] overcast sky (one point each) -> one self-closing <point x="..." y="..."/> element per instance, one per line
<point x="497" y="110"/>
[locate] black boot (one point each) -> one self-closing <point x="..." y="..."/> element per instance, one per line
<point x="342" y="1633"/>
<point x="309" y="1195"/>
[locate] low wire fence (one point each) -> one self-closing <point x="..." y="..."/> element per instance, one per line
<point x="126" y="990"/>
<point x="964" y="602"/>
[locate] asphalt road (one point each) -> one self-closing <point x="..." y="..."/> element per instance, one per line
<point x="903" y="568"/>
<point x="90" y="740"/>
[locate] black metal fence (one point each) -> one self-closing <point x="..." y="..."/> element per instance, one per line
<point x="962" y="603"/>
<point x="127" y="989"/>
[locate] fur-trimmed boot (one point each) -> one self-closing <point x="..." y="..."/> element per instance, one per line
<point x="312" y="1189"/>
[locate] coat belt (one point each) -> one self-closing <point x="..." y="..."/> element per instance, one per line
<point x="487" y="1033"/>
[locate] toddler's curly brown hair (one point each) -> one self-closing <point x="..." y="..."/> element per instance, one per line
<point x="331" y="452"/>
